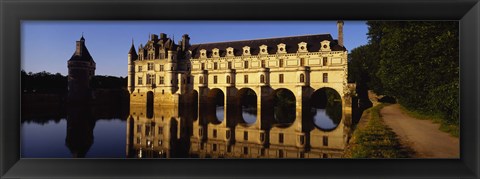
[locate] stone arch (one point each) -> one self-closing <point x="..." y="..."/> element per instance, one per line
<point x="215" y="106"/>
<point x="283" y="110"/>
<point x="326" y="108"/>
<point x="247" y="100"/>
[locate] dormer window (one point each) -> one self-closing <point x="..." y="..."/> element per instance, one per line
<point x="263" y="49"/>
<point x="203" y="53"/>
<point x="325" y="45"/>
<point x="246" y="50"/>
<point x="281" y="48"/>
<point x="230" y="51"/>
<point x="302" y="47"/>
<point x="215" y="52"/>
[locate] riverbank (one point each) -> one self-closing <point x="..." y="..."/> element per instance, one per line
<point x="373" y="139"/>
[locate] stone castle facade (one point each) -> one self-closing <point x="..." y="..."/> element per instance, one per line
<point x="171" y="72"/>
<point x="170" y="75"/>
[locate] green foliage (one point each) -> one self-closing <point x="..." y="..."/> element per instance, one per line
<point x="417" y="62"/>
<point x="376" y="140"/>
<point x="363" y="65"/>
<point x="45" y="82"/>
<point x="108" y="82"/>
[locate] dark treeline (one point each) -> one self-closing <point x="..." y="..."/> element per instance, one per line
<point x="415" y="62"/>
<point x="45" y="82"/>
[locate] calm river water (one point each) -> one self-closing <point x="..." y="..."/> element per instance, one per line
<point x="168" y="133"/>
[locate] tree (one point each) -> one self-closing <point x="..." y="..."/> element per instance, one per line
<point x="419" y="64"/>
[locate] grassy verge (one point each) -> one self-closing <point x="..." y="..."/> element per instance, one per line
<point x="452" y="129"/>
<point x="375" y="139"/>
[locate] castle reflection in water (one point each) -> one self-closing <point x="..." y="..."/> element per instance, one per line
<point x="169" y="132"/>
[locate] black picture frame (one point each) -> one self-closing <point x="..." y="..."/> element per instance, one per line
<point x="12" y="12"/>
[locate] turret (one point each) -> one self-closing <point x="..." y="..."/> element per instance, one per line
<point x="81" y="69"/>
<point x="132" y="56"/>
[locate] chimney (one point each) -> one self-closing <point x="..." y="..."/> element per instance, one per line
<point x="163" y="36"/>
<point x="153" y="37"/>
<point x="185" y="41"/>
<point x="340" y="32"/>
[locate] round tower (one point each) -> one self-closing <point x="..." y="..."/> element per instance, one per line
<point x="81" y="69"/>
<point x="132" y="56"/>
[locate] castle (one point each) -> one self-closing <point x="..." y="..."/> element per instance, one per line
<point x="168" y="73"/>
<point x="197" y="91"/>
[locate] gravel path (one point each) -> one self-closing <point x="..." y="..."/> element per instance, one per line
<point x="423" y="136"/>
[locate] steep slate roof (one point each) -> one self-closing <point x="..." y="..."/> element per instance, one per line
<point x="291" y="42"/>
<point x="133" y="52"/>
<point x="84" y="56"/>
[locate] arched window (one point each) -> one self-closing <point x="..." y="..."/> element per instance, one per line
<point x="200" y="79"/>
<point x="302" y="78"/>
<point x="262" y="78"/>
<point x="228" y="79"/>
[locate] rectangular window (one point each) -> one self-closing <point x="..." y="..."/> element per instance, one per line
<point x="245" y="64"/>
<point x="215" y="79"/>
<point x="139" y="68"/>
<point x="245" y="78"/>
<point x="140" y="80"/>
<point x="325" y="61"/>
<point x="262" y="152"/>
<point x="150" y="79"/>
<point x="325" y="140"/>
<point x="162" y="67"/>
<point x="245" y="135"/>
<point x="280" y="78"/>
<point x="203" y="66"/>
<point x="280" y="138"/>
<point x="139" y="140"/>
<point x="188" y="80"/>
<point x="245" y="150"/>
<point x="147" y="130"/>
<point x="215" y="65"/>
<point x="160" y="130"/>
<point x="302" y="140"/>
<point x="139" y="128"/>
<point x="229" y="65"/>
<point x="263" y="63"/>
<point x="302" y="62"/>
<point x="214" y="147"/>
<point x="280" y="153"/>
<point x="214" y="133"/>
<point x="150" y="66"/>
<point x="325" y="77"/>
<point x="280" y="63"/>
<point x="162" y="80"/>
